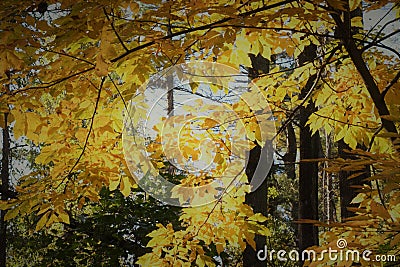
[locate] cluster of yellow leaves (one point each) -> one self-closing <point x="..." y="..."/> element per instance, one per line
<point x="376" y="225"/>
<point x="345" y="107"/>
<point x="225" y="222"/>
<point x="81" y="147"/>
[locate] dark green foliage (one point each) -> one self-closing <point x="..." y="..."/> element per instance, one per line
<point x="111" y="233"/>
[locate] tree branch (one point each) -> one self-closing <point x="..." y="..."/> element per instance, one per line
<point x="115" y="31"/>
<point x="68" y="176"/>
<point x="314" y="85"/>
<point x="203" y="27"/>
<point x="50" y="84"/>
<point x="389" y="85"/>
<point x="356" y="56"/>
<point x="347" y="123"/>
<point x="67" y="55"/>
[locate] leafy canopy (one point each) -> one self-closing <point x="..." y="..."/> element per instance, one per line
<point x="69" y="69"/>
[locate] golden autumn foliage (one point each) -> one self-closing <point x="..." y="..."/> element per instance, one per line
<point x="72" y="72"/>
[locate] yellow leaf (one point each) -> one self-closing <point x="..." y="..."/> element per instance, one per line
<point x="258" y="217"/>
<point x="194" y="86"/>
<point x="101" y="66"/>
<point x="280" y="93"/>
<point x="357" y="22"/>
<point x="338" y="4"/>
<point x="350" y="139"/>
<point x="53" y="218"/>
<point x="64" y="218"/>
<point x="42" y="221"/>
<point x="44" y="208"/>
<point x="341" y="133"/>
<point x="20" y="126"/>
<point x="114" y="184"/>
<point x="395" y="240"/>
<point x="354" y="4"/>
<point x="125" y="186"/>
<point x="380" y="210"/>
<point x="203" y="260"/>
<point x="250" y="239"/>
<point x="359" y="198"/>
<point x="257" y="135"/>
<point x="243" y="58"/>
<point x="134" y="7"/>
<point x="33" y="121"/>
<point x="264" y="231"/>
<point x="220" y="247"/>
<point x="5" y="205"/>
<point x="81" y="134"/>
<point x="11" y="213"/>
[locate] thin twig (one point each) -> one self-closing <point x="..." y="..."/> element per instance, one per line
<point x="371" y="44"/>
<point x="90" y="130"/>
<point x="347" y="123"/>
<point x="373" y="137"/>
<point x="67" y="55"/>
<point x="115" y="31"/>
<point x="50" y="84"/>
<point x="218" y="201"/>
<point x="203" y="27"/>
<point x="309" y="93"/>
<point x="393" y="82"/>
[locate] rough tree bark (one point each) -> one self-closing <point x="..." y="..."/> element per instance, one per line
<point x="328" y="188"/>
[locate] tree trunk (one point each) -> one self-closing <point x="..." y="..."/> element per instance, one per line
<point x="308" y="181"/>
<point x="328" y="189"/>
<point x="170" y="96"/>
<point x="310" y="147"/>
<point x="290" y="157"/>
<point x="290" y="168"/>
<point x="257" y="199"/>
<point x="348" y="187"/>
<point x="4" y="191"/>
